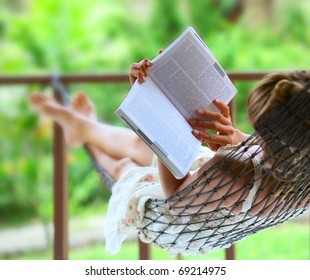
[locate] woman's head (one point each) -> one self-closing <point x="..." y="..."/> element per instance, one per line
<point x="279" y="111"/>
<point x="273" y="92"/>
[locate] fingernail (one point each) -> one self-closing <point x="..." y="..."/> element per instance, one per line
<point x="192" y="121"/>
<point x="196" y="132"/>
<point x="200" y="112"/>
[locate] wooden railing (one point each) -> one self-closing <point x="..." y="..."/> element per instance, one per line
<point x="60" y="165"/>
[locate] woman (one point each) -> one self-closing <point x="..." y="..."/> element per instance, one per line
<point x="194" y="219"/>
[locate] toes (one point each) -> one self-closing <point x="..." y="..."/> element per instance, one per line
<point x="77" y="101"/>
<point x="87" y="102"/>
<point x="83" y="105"/>
<point x="38" y="99"/>
<point x="33" y="98"/>
<point x="81" y="97"/>
<point x="81" y="102"/>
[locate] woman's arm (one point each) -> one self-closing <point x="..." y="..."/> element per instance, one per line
<point x="226" y="186"/>
<point x="168" y="182"/>
<point x="220" y="122"/>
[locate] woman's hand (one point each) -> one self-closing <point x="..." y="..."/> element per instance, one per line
<point x="139" y="71"/>
<point x="217" y="121"/>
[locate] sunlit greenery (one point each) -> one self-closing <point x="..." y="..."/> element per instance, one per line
<point x="101" y="36"/>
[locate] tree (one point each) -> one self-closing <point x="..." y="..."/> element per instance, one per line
<point x="258" y="11"/>
<point x="166" y="21"/>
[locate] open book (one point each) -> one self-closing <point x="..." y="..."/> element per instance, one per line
<point x="185" y="76"/>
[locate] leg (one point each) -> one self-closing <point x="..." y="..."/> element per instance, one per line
<point x="115" y="167"/>
<point x="117" y="142"/>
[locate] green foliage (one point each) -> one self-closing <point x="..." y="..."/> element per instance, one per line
<point x="21" y="187"/>
<point x="49" y="36"/>
<point x="209" y="17"/>
<point x="168" y="26"/>
<point x="70" y="36"/>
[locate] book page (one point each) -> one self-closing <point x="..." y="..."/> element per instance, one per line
<point x="152" y="116"/>
<point x="190" y="76"/>
<point x="185" y="77"/>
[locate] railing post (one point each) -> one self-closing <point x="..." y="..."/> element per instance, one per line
<point x="230" y="253"/>
<point x="144" y="251"/>
<point x="60" y="194"/>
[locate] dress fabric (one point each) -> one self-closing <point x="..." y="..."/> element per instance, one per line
<point x="203" y="234"/>
<point x="130" y="194"/>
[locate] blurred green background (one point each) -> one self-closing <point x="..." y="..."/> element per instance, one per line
<point x="102" y="36"/>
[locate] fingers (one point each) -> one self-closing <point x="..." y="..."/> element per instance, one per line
<point x="213" y="138"/>
<point x="144" y="64"/>
<point x="216" y="121"/>
<point x="219" y="117"/>
<point x="139" y="70"/>
<point x="220" y="128"/>
<point x="137" y="74"/>
<point x="223" y="108"/>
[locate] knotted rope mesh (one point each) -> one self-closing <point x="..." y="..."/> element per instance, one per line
<point x="196" y="219"/>
<point x="205" y="216"/>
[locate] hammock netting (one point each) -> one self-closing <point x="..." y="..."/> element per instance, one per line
<point x="197" y="219"/>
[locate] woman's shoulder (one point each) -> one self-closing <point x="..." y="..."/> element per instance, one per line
<point x="241" y="151"/>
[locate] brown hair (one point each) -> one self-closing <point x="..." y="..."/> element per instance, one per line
<point x="273" y="92"/>
<point x="267" y="99"/>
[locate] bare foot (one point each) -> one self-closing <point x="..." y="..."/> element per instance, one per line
<point x="83" y="105"/>
<point x="69" y="120"/>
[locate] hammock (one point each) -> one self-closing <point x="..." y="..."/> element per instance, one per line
<point x="184" y="219"/>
